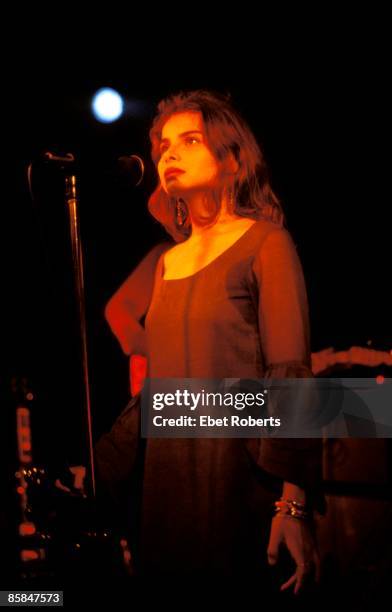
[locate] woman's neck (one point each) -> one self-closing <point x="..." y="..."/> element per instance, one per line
<point x="222" y="223"/>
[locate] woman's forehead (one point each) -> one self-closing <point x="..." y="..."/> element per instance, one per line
<point x="182" y="122"/>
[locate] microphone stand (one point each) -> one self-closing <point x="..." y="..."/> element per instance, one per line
<point x="134" y="166"/>
<point x="71" y="200"/>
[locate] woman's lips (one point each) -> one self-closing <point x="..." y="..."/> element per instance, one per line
<point x="172" y="173"/>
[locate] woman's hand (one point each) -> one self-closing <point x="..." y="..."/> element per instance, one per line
<point x="137" y="373"/>
<point x="298" y="537"/>
<point x="72" y="480"/>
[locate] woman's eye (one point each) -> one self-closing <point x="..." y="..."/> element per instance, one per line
<point x="192" y="140"/>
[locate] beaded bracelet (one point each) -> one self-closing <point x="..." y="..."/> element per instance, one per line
<point x="291" y="508"/>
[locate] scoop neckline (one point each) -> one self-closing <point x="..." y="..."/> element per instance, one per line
<point x="173" y="280"/>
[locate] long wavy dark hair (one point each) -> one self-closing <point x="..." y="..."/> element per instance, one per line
<point x="225" y="131"/>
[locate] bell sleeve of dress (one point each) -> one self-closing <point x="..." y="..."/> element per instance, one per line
<point x="285" y="343"/>
<point x="127" y="307"/>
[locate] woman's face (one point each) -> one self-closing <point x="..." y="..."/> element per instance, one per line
<point x="186" y="163"/>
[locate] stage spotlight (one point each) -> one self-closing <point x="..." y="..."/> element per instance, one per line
<point x="107" y="105"/>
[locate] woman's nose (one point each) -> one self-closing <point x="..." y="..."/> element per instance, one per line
<point x="171" y="154"/>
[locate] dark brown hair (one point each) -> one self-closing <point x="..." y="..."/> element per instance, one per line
<point x="225" y="132"/>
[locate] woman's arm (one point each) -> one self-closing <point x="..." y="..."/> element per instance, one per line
<point x="283" y="306"/>
<point x="292" y="491"/>
<point x="285" y="343"/>
<point x="130" y="303"/>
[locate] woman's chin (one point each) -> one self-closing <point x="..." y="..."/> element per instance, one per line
<point x="175" y="190"/>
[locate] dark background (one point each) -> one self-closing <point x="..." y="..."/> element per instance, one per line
<point x="314" y="90"/>
<point x="320" y="122"/>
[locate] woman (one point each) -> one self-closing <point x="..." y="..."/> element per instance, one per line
<point x="228" y="300"/>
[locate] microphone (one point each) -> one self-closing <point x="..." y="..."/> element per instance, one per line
<point x="131" y="167"/>
<point x="67" y="158"/>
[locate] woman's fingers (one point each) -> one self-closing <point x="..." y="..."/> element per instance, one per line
<point x="299" y="541"/>
<point x="289" y="582"/>
<point x="304" y="570"/>
<point x="299" y="578"/>
<point x="273" y="553"/>
<point x="273" y="544"/>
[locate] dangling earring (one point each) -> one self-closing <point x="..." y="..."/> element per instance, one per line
<point x="181" y="212"/>
<point x="231" y="200"/>
<point x="232" y="203"/>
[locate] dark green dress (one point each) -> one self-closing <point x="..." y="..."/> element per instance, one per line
<point x="206" y="503"/>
